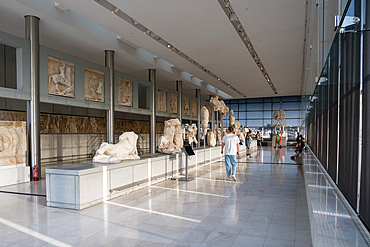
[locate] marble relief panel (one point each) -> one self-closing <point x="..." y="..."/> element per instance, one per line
<point x="162" y="101"/>
<point x="94" y="85"/>
<point x="124" y="92"/>
<point x="12" y="142"/>
<point x="186" y="107"/>
<point x="173" y="103"/>
<point x="61" y="79"/>
<point x="194" y="108"/>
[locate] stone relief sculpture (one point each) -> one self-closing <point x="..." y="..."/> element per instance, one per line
<point x="211" y="139"/>
<point x="162" y="101"/>
<point x="12" y="143"/>
<point x="194" y="108"/>
<point x="224" y="109"/>
<point x="125" y="92"/>
<point x="173" y="103"/>
<point x="171" y="141"/>
<point x="94" y="85"/>
<point x="204" y="119"/>
<point x="186" y="107"/>
<point x="192" y="133"/>
<point x="115" y="153"/>
<point x="61" y="77"/>
<point x="231" y="118"/>
<point x="215" y="102"/>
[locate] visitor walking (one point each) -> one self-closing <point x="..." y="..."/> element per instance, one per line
<point x="259" y="138"/>
<point x="231" y="144"/>
<point x="278" y="139"/>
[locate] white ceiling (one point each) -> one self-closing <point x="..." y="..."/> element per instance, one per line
<point x="199" y="28"/>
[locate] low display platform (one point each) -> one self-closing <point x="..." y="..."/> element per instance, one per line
<point x="82" y="185"/>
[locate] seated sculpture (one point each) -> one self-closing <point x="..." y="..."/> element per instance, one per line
<point x="171" y="141"/>
<point x="115" y="153"/>
<point x="192" y="132"/>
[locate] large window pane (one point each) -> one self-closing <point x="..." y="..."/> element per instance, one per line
<point x="291" y="105"/>
<point x="255" y="107"/>
<point x="242" y="107"/>
<point x="293" y="122"/>
<point x="234" y="107"/>
<point x="276" y="106"/>
<point x="242" y="115"/>
<point x="293" y="114"/>
<point x="254" y="123"/>
<point x="267" y="114"/>
<point x="267" y="106"/>
<point x="255" y="100"/>
<point x="254" y="115"/>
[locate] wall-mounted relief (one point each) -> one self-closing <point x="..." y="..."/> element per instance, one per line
<point x="162" y="101"/>
<point x="194" y="108"/>
<point x="94" y="85"/>
<point x="186" y="107"/>
<point x="173" y="103"/>
<point x="124" y="92"/>
<point x="61" y="79"/>
<point x="12" y="143"/>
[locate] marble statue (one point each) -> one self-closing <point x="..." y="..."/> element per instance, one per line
<point x="61" y="77"/>
<point x="231" y="118"/>
<point x="218" y="134"/>
<point x="237" y="128"/>
<point x="94" y="85"/>
<point x="224" y="109"/>
<point x="12" y="143"/>
<point x="162" y="101"/>
<point x="125" y="92"/>
<point x="204" y="118"/>
<point x="241" y="136"/>
<point x="242" y="130"/>
<point x="115" y="153"/>
<point x="186" y="107"/>
<point x="215" y="102"/>
<point x="173" y="103"/>
<point x="170" y="142"/>
<point x="224" y="133"/>
<point x="194" y="108"/>
<point x="211" y="139"/>
<point x="192" y="133"/>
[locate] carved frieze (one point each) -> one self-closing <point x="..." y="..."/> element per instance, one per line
<point x="61" y="79"/>
<point x="194" y="108"/>
<point x="124" y="92"/>
<point x="12" y="143"/>
<point x="162" y="101"/>
<point x="186" y="107"/>
<point x="173" y="103"/>
<point x="94" y="85"/>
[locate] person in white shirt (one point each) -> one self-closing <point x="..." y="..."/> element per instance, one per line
<point x="231" y="144"/>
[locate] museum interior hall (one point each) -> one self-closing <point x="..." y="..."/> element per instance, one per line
<point x="184" y="123"/>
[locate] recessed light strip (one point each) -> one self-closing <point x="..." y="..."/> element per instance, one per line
<point x="226" y="6"/>
<point x="115" y="10"/>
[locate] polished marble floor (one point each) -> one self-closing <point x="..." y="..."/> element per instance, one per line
<point x="266" y="206"/>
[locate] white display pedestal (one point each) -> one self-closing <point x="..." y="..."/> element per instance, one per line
<point x="14" y="174"/>
<point x="83" y="185"/>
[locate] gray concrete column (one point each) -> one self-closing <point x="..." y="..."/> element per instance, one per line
<point x="153" y="102"/>
<point x="180" y="106"/>
<point x="198" y="92"/>
<point x="217" y="115"/>
<point x="33" y="105"/>
<point x="109" y="62"/>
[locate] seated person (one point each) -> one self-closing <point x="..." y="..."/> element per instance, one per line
<point x="299" y="148"/>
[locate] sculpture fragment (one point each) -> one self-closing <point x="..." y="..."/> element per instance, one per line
<point x="192" y="132"/>
<point x="60" y="77"/>
<point x="171" y="141"/>
<point x="94" y="85"/>
<point x="204" y="118"/>
<point x="162" y="101"/>
<point x="125" y="92"/>
<point x="173" y="103"/>
<point x="211" y="139"/>
<point x="186" y="107"/>
<point x="115" y="153"/>
<point x="12" y="143"/>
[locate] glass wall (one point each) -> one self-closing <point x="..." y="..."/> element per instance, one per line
<point x="256" y="113"/>
<point x="337" y="118"/>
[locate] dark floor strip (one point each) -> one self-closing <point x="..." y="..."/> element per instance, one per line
<point x="20" y="193"/>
